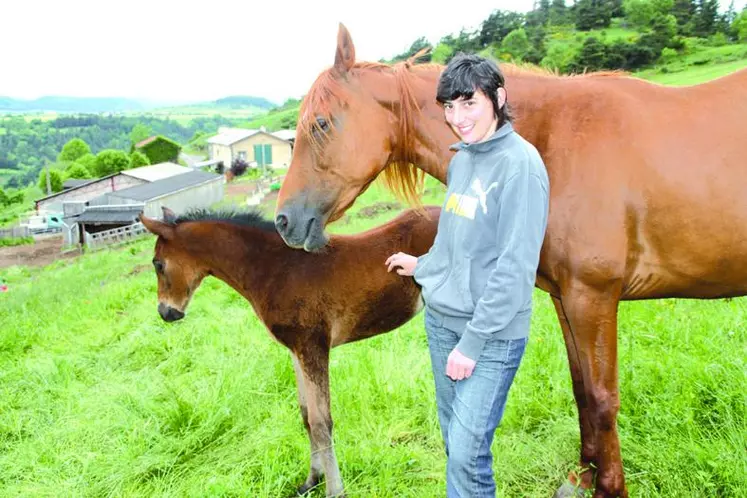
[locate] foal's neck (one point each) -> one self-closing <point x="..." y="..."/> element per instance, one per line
<point x="247" y="258"/>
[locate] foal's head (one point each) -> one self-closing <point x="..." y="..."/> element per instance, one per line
<point x="179" y="273"/>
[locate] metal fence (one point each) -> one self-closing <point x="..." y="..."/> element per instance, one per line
<point x="15" y="232"/>
<point x="115" y="236"/>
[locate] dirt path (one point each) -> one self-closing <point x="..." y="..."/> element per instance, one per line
<point x="43" y="251"/>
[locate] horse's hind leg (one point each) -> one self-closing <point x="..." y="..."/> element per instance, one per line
<point x="592" y="322"/>
<point x="314" y="362"/>
<point x="588" y="448"/>
<point x="315" y="470"/>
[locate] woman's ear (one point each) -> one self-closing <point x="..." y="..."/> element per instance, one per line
<point x="501" y="97"/>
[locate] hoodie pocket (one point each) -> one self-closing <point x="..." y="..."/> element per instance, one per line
<point x="464" y="283"/>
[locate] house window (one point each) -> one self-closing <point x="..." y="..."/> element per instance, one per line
<point x="242" y="155"/>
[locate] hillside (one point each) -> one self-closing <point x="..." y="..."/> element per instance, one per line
<point x="103" y="398"/>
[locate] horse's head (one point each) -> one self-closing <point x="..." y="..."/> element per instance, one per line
<point x="179" y="274"/>
<point x="351" y="127"/>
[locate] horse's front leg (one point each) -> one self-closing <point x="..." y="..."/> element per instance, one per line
<point x="592" y="323"/>
<point x="313" y="360"/>
<point x="577" y="483"/>
<point x="315" y="468"/>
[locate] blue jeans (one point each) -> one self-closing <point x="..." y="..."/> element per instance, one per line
<point x="469" y="410"/>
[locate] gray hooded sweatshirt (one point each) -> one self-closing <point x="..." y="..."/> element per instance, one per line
<point x="479" y="275"/>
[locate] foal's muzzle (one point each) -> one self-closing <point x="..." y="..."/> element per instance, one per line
<point x="168" y="313"/>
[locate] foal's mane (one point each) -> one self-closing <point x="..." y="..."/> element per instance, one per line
<point x="253" y="219"/>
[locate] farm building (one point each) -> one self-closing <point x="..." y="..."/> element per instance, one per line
<point x="114" y="214"/>
<point x="253" y="146"/>
<point x="158" y="149"/>
<point x="85" y="191"/>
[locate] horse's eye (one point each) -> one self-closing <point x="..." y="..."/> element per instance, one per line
<point x="158" y="265"/>
<point x="323" y="124"/>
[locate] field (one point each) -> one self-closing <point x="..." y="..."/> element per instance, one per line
<point x="102" y="398"/>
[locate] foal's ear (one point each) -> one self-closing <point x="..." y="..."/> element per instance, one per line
<point x="168" y="215"/>
<point x="157" y="227"/>
<point x="345" y="54"/>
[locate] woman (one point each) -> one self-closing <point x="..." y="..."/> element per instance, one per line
<point x="478" y="277"/>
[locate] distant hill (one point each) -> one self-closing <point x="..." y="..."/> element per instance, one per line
<point x="71" y="104"/>
<point x="92" y="105"/>
<point x="245" y="101"/>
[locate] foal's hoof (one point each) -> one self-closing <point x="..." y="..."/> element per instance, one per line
<point x="304" y="488"/>
<point x="569" y="490"/>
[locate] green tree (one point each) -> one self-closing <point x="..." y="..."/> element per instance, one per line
<point x="558" y="13"/>
<point x="416" y="47"/>
<point x="442" y="53"/>
<point x="592" y="14"/>
<point x="111" y="161"/>
<point x="558" y="58"/>
<point x="88" y="161"/>
<point x="706" y="18"/>
<point x="138" y="159"/>
<point x="498" y="24"/>
<point x="739" y="26"/>
<point x="73" y="150"/>
<point x="55" y="180"/>
<point x="683" y="11"/>
<point x="641" y="13"/>
<point x="78" y="171"/>
<point x="4" y="200"/>
<point x="516" y="43"/>
<point x="139" y="133"/>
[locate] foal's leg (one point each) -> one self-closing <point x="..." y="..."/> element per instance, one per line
<point x="314" y="362"/>
<point x="315" y="470"/>
<point x="588" y="449"/>
<point x="592" y="321"/>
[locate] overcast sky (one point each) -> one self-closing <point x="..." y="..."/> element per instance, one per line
<point x="194" y="51"/>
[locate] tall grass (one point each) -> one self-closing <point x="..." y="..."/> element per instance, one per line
<point x="102" y="398"/>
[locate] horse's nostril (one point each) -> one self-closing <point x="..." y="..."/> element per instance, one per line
<point x="281" y="222"/>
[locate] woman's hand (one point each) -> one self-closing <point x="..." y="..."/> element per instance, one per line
<point x="406" y="263"/>
<point x="458" y="366"/>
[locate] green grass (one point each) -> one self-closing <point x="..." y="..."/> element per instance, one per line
<point x="17" y="241"/>
<point x="102" y="398"/>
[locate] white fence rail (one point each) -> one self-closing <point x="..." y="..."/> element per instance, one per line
<point x="115" y="235"/>
<point x="15" y="232"/>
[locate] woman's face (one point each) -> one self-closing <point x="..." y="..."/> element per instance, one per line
<point x="472" y="119"/>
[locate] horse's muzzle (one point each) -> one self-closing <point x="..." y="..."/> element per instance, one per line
<point x="168" y="313"/>
<point x="301" y="227"/>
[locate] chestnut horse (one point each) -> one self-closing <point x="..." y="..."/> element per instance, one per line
<point x="646" y="196"/>
<point x="310" y="303"/>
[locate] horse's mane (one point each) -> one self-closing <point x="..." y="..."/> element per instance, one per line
<point x="253" y="219"/>
<point x="401" y="175"/>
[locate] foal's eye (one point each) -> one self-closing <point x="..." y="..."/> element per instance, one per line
<point x="158" y="265"/>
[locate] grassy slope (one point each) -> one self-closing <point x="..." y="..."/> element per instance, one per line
<point x="101" y="398"/>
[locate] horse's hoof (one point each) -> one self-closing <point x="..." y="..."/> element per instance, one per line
<point x="569" y="490"/>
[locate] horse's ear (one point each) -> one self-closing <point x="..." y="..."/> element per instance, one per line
<point x="157" y="227"/>
<point x="345" y="54"/>
<point x="168" y="215"/>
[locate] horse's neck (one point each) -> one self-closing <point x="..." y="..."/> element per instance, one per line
<point x="526" y="93"/>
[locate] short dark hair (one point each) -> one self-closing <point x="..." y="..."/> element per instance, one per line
<point x="466" y="73"/>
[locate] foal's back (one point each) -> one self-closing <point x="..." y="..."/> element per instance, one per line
<point x="345" y="293"/>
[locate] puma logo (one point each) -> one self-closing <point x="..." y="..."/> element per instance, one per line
<point x="483" y="194"/>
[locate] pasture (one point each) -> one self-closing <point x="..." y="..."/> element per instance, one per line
<point x="100" y="397"/>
